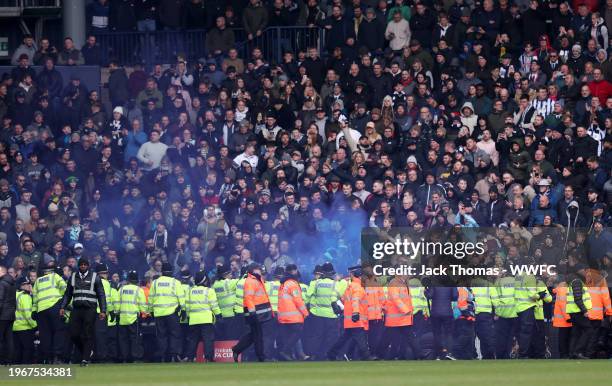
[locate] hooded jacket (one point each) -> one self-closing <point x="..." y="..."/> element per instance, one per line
<point x="469" y="121"/>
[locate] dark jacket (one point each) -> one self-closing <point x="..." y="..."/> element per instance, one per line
<point x="371" y="35"/>
<point x="52" y="81"/>
<point x="340" y="31"/>
<point x="422" y="27"/>
<point x="77" y="283"/>
<point x="577" y="287"/>
<point x="118" y="87"/>
<point x="8" y="301"/>
<point x="255" y="19"/>
<point x="440" y="299"/>
<point x="221" y="40"/>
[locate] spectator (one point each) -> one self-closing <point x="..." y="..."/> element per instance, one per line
<point x="398" y="32"/>
<point x="28" y="48"/>
<point x="194" y="15"/>
<point x="98" y="12"/>
<point x="254" y="19"/>
<point x="220" y="39"/>
<point x="151" y="153"/>
<point x="46" y="50"/>
<point x="371" y="32"/>
<point x="422" y="23"/>
<point x="170" y="13"/>
<point x="92" y="53"/>
<point x="117" y="84"/>
<point x="69" y="55"/>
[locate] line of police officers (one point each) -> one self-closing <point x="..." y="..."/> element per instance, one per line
<point x="359" y="317"/>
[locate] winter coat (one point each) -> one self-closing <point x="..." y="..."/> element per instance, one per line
<point x="8" y="300"/>
<point x="118" y="87"/>
<point x="440" y="300"/>
<point x="254" y="18"/>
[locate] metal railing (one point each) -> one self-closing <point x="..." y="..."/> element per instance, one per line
<point x="163" y="46"/>
<point x="274" y="41"/>
<point x="30" y="3"/>
<point x="15" y="8"/>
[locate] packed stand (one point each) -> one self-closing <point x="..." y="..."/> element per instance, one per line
<point x="228" y="168"/>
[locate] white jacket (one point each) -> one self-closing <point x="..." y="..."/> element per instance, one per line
<point x="402" y="33"/>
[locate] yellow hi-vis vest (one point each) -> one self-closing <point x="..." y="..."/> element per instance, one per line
<point x="165" y="296"/>
<point x="132" y="301"/>
<point x="47" y="290"/>
<point x="202" y="305"/>
<point x="225" y="289"/>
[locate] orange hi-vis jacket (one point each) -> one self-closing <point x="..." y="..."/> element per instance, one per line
<point x="291" y="307"/>
<point x="256" y="300"/>
<point x="398" y="307"/>
<point x="376" y="300"/>
<point x="355" y="300"/>
<point x="600" y="299"/>
<point x="560" y="317"/>
<point x="465" y="302"/>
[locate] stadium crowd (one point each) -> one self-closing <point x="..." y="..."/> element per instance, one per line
<point x="416" y="114"/>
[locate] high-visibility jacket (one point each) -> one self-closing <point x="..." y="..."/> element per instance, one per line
<point x="417" y="295"/>
<point x="398" y="305"/>
<point x="504" y="306"/>
<point x="47" y="290"/>
<point x="600" y="301"/>
<point x="484" y="298"/>
<point x="465" y="303"/>
<point x="355" y="301"/>
<point x="571" y="307"/>
<point x="202" y="305"/>
<point x="112" y="297"/>
<point x="525" y="293"/>
<point x="239" y="296"/>
<point x="320" y="295"/>
<point x="560" y="317"/>
<point x="132" y="301"/>
<point x="186" y="289"/>
<point x="342" y="286"/>
<point x="256" y="301"/>
<point x="23" y="312"/>
<point x="539" y="309"/>
<point x="304" y="288"/>
<point x="291" y="307"/>
<point x="165" y="296"/>
<point x="375" y="297"/>
<point x="225" y="289"/>
<point x="272" y="290"/>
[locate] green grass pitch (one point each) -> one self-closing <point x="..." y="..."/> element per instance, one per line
<point x="391" y="373"/>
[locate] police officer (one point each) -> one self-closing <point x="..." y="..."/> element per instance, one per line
<point x="225" y="289"/>
<point x="106" y="331"/>
<point x="240" y="322"/>
<point x="166" y="300"/>
<point x="86" y="292"/>
<point x="186" y="282"/>
<point x="506" y="318"/>
<point x="420" y="312"/>
<point x="322" y="325"/>
<point x="131" y="306"/>
<point x="485" y="296"/>
<point x="202" y="309"/>
<point x="271" y="329"/>
<point x="24" y="327"/>
<point x="526" y="298"/>
<point x="577" y="307"/>
<point x="47" y="295"/>
<point x="257" y="310"/>
<point x="538" y="341"/>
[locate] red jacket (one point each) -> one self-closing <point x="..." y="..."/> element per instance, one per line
<point x="601" y="89"/>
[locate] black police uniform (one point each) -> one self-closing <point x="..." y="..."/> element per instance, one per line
<point x="86" y="292"/>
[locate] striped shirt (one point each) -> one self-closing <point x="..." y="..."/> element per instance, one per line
<point x="544" y="107"/>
